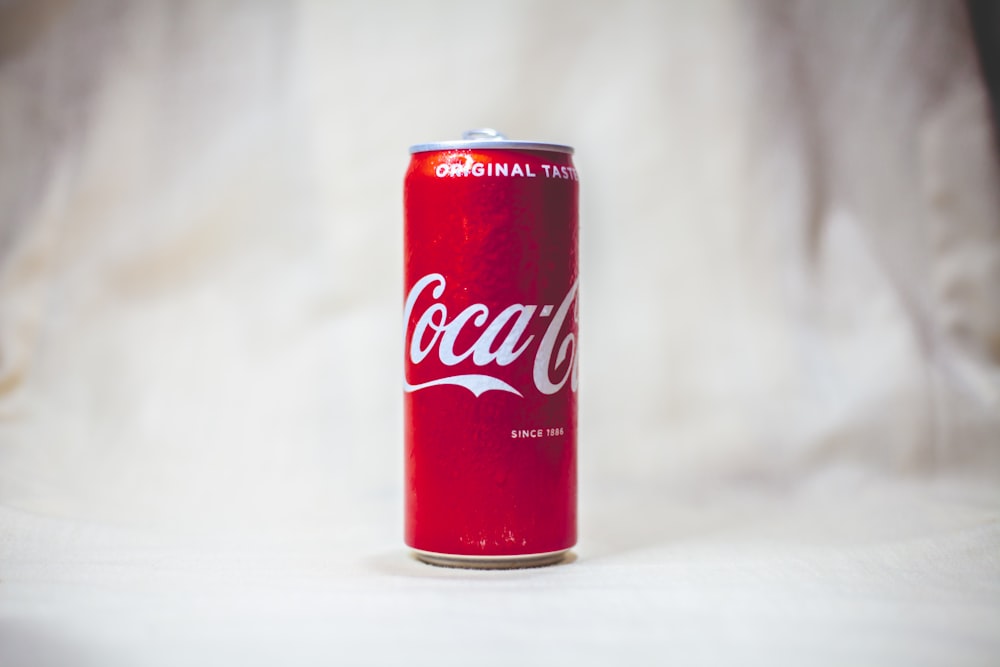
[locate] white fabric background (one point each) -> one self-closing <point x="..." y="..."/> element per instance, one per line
<point x="790" y="391"/>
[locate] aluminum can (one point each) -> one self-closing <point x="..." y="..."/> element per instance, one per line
<point x="490" y="351"/>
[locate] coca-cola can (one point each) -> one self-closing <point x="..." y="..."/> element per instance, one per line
<point x="491" y="351"/>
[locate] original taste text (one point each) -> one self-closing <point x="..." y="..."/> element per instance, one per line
<point x="471" y="168"/>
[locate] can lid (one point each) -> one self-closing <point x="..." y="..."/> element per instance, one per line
<point x="489" y="138"/>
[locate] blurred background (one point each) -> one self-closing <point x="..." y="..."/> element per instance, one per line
<point x="790" y="307"/>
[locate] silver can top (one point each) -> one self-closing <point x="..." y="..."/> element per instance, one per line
<point x="489" y="138"/>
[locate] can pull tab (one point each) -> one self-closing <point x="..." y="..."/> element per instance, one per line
<point x="484" y="133"/>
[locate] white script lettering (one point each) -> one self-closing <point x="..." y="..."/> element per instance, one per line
<point x="433" y="330"/>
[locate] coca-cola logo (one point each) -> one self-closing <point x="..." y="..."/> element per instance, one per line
<point x="500" y="340"/>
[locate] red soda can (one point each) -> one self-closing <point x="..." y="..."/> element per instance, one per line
<point x="491" y="351"/>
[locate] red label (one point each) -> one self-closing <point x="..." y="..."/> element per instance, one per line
<point x="491" y="352"/>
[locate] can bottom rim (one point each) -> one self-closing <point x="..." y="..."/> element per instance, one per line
<point x="492" y="562"/>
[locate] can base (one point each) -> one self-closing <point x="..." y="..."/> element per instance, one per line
<point x="492" y="562"/>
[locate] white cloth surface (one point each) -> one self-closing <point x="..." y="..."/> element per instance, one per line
<point x="790" y="319"/>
